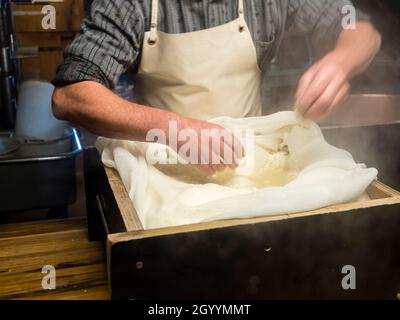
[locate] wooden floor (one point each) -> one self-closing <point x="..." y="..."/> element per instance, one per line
<point x="26" y="248"/>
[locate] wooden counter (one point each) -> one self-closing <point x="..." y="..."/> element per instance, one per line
<point x="26" y="248"/>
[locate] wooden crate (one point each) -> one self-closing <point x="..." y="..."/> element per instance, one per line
<point x="379" y="193"/>
<point x="296" y="256"/>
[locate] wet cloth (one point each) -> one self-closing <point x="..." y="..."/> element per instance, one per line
<point x="316" y="175"/>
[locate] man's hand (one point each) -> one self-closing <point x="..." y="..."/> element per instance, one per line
<point x="217" y="148"/>
<point x="324" y="86"/>
<point x="326" y="83"/>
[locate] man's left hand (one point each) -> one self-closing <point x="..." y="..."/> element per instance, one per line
<point x="323" y="87"/>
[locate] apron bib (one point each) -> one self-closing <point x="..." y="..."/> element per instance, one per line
<point x="202" y="74"/>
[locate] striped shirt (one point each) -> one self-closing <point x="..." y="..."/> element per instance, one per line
<point x="111" y="37"/>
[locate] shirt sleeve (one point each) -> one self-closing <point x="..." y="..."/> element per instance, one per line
<point x="321" y="19"/>
<point x="107" y="45"/>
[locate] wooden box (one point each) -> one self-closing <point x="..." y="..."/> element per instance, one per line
<point x="296" y="256"/>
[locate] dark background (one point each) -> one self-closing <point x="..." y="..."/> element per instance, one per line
<point x="385" y="15"/>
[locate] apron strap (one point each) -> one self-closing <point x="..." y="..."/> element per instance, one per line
<point x="154" y="21"/>
<point x="242" y="22"/>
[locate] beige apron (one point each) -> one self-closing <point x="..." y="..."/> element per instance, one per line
<point x="203" y="74"/>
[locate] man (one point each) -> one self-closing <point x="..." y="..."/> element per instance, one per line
<point x="196" y="60"/>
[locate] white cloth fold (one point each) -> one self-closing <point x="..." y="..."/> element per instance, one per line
<point x="321" y="175"/>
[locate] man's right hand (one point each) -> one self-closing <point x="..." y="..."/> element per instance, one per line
<point x="217" y="148"/>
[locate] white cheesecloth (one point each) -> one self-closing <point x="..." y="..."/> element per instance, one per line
<point x="317" y="175"/>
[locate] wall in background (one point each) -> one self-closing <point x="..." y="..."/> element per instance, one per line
<point x="42" y="50"/>
<point x="385" y="15"/>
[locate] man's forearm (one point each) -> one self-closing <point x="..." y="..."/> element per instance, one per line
<point x="98" y="109"/>
<point x="102" y="112"/>
<point x="357" y="47"/>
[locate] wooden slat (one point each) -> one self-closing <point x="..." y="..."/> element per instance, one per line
<point x="11" y="247"/>
<point x="378" y="190"/>
<point x="92" y="293"/>
<point x="43" y="66"/>
<point x="125" y="205"/>
<point x="40" y="40"/>
<point x="66" y="278"/>
<point x="35" y="228"/>
<point x="80" y="265"/>
<point x="31" y="262"/>
<point x="380" y="193"/>
<point x="121" y="237"/>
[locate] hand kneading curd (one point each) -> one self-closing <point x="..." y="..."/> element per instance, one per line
<point x="292" y="169"/>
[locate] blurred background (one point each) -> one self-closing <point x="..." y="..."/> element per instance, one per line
<point x="43" y="49"/>
<point x="40" y="51"/>
<point x="383" y="76"/>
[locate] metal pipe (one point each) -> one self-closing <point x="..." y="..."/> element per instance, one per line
<point x="7" y="67"/>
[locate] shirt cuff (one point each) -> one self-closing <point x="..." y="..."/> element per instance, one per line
<point x="75" y="69"/>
